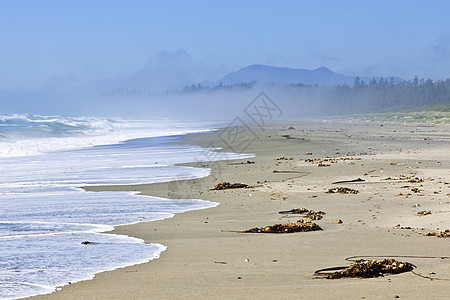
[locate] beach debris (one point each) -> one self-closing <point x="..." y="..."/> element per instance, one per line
<point x="415" y="190"/>
<point x="290" y="171"/>
<point x="283" y="228"/>
<point x="308" y="213"/>
<point x="220" y="262"/>
<point x="403" y="227"/>
<point x="248" y="162"/>
<point x="226" y="185"/>
<point x="367" y="269"/>
<point x="423" y="213"/>
<point x="291" y="128"/>
<point x="321" y="164"/>
<point x="441" y="234"/>
<point x="415" y="180"/>
<point x="327" y="161"/>
<point x="403" y="177"/>
<point x="338" y="222"/>
<point x="88" y="243"/>
<point x="406" y="196"/>
<point x="313" y="216"/>
<point x="320" y="160"/>
<point x="285" y="158"/>
<point x="342" y="190"/>
<point x="295" y="138"/>
<point x="349" y="181"/>
<point x="295" y="211"/>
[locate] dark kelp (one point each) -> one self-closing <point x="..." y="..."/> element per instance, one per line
<point x="284" y="228"/>
<point x="307" y="213"/>
<point x="226" y="185"/>
<point x="342" y="190"/>
<point x="440" y="234"/>
<point x="88" y="243"/>
<point x="367" y="269"/>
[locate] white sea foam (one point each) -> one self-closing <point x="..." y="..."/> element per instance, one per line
<point x="25" y="135"/>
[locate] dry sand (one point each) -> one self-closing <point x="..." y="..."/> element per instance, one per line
<point x="202" y="262"/>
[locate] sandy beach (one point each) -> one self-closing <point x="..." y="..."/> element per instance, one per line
<point x="405" y="170"/>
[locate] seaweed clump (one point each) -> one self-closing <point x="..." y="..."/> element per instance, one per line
<point x="342" y="190"/>
<point x="369" y="269"/>
<point x="403" y="177"/>
<point x="424" y="213"/>
<point x="441" y="234"/>
<point x="307" y="213"/>
<point x="285" y="158"/>
<point x="226" y="185"/>
<point x="285" y="228"/>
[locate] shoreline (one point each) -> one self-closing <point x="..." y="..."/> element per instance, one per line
<point x="203" y="262"/>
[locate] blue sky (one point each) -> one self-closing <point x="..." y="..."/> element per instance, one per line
<point x="43" y="41"/>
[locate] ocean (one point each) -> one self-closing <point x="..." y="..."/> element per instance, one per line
<point x="45" y="215"/>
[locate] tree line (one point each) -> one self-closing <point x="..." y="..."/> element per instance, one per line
<point x="377" y="95"/>
<point x="384" y="95"/>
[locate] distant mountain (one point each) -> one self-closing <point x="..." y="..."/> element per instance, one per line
<point x="281" y="75"/>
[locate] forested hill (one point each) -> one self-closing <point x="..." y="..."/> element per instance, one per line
<point x="264" y="74"/>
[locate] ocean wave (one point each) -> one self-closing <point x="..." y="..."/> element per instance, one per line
<point x="26" y="135"/>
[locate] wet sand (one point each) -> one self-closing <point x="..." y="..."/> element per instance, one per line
<point x="203" y="262"/>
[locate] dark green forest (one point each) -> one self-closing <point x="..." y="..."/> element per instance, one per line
<point x="381" y="95"/>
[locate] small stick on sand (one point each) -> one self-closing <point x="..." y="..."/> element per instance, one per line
<point x="349" y="181"/>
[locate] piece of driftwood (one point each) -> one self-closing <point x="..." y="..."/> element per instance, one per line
<point x="289" y="171"/>
<point x="349" y="181"/>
